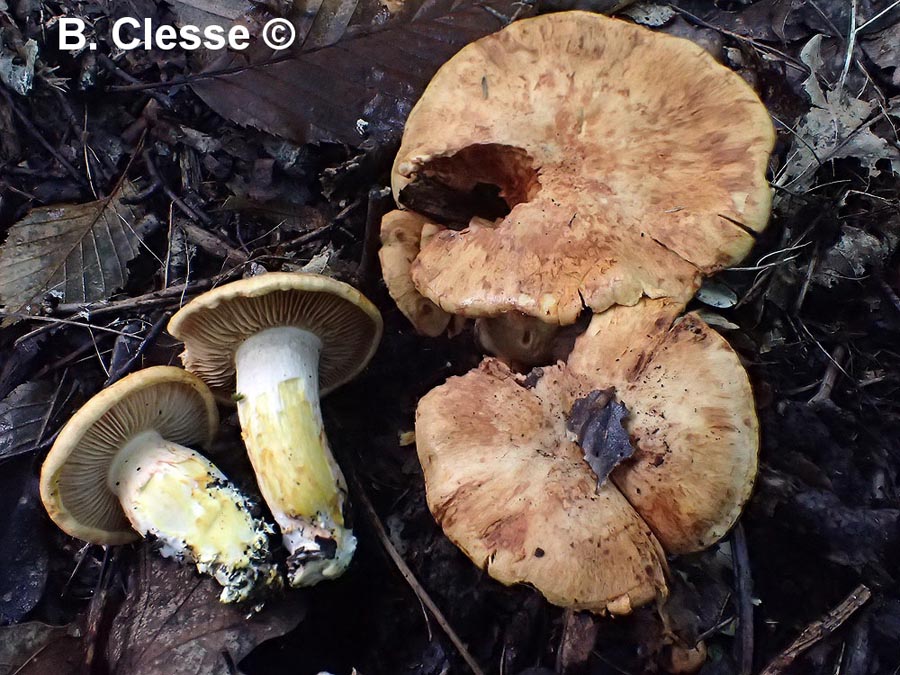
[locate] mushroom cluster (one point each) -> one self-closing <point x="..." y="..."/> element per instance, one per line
<point x="630" y="165"/>
<point x="122" y="466"/>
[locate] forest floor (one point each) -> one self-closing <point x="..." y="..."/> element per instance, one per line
<point x="216" y="182"/>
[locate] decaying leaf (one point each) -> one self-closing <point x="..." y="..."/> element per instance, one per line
<point x="596" y="421"/>
<point x="349" y="81"/>
<point x="22" y="644"/>
<point x="75" y="252"/>
<point x="25" y="418"/>
<point x="17" y="65"/>
<point x="835" y="128"/>
<point x="24" y="564"/>
<point x="854" y="255"/>
<point x="172" y="623"/>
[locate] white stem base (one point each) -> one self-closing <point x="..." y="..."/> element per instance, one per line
<point x="181" y="500"/>
<point x="281" y="421"/>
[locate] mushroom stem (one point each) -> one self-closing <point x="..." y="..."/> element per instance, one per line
<point x="281" y="421"/>
<point x="179" y="498"/>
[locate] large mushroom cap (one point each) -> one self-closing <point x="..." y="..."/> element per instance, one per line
<point x="214" y="324"/>
<point x="632" y="161"/>
<point x="504" y="480"/>
<point x="693" y="420"/>
<point x="74" y="485"/>
<point x="513" y="492"/>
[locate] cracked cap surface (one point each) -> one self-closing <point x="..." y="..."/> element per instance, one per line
<point x="512" y="490"/>
<point x="632" y="161"/>
<point x="74" y="475"/>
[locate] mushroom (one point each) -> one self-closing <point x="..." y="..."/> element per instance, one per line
<point x="271" y="343"/>
<point x="510" y="487"/>
<point x="401" y="234"/>
<point x="120" y="469"/>
<point x="632" y="164"/>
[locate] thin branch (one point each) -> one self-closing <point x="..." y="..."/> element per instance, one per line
<point x="819" y="630"/>
<point x="408" y="575"/>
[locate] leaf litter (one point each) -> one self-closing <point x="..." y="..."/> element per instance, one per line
<point x="254" y="170"/>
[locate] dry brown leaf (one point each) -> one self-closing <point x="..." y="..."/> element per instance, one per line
<point x="357" y="71"/>
<point x="172" y="623"/>
<point x="75" y="252"/>
<point x="836" y="127"/>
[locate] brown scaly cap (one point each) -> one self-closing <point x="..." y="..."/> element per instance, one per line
<point x="633" y="163"/>
<point x="213" y="325"/>
<point x="513" y="492"/>
<point x="693" y="419"/>
<point x="504" y="479"/>
<point x="74" y="475"/>
<point x="401" y="235"/>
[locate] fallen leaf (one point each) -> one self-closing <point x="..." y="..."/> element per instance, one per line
<point x="26" y="417"/>
<point x="596" y="421"/>
<point x="25" y="647"/>
<point x="649" y="13"/>
<point x="716" y="294"/>
<point x="75" y="252"/>
<point x="172" y="623"/>
<point x="349" y="81"/>
<point x="852" y="257"/>
<point x="24" y="564"/>
<point x="23" y="643"/>
<point x="834" y="128"/>
<point x="883" y="48"/>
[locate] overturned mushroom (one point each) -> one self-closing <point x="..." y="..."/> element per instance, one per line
<point x="511" y="488"/>
<point x="120" y="470"/>
<point x="630" y="161"/>
<point x="272" y="342"/>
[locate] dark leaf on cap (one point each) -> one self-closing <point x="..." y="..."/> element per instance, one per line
<point x="596" y="421"/>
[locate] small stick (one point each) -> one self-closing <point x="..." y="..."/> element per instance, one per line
<point x="408" y="575"/>
<point x="743" y="590"/>
<point x="151" y="299"/>
<point x="148" y="340"/>
<point x="212" y="244"/>
<point x="380" y="202"/>
<point x="170" y="193"/>
<point x="39" y="137"/>
<point x="819" y="630"/>
<point x="831" y="376"/>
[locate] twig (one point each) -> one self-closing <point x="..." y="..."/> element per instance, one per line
<point x="380" y="203"/>
<point x="408" y="575"/>
<point x="851" y="45"/>
<point x="112" y="67"/>
<point x="892" y="296"/>
<point x="743" y="590"/>
<point x="148" y="340"/>
<point x="39" y="137"/>
<point x="787" y="58"/>
<point x="211" y="244"/>
<point x="57" y="320"/>
<point x="818" y="630"/>
<point x="191" y="213"/>
<point x="195" y="77"/>
<point x="880" y="14"/>
<point x="831" y="375"/>
<point x="153" y="299"/>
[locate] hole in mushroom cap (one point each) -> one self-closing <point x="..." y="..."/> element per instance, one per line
<point x="483" y="180"/>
